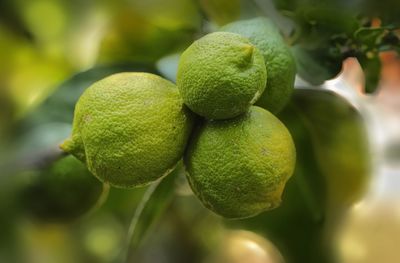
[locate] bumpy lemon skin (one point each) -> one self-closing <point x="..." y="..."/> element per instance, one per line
<point x="130" y="129"/>
<point x="238" y="168"/>
<point x="280" y="63"/>
<point x="221" y="75"/>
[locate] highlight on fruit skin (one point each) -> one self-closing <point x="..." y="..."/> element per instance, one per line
<point x="130" y="129"/>
<point x="239" y="246"/>
<point x="221" y="75"/>
<point x="238" y="168"/>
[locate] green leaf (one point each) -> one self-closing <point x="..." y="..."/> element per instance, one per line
<point x="153" y="205"/>
<point x="316" y="66"/>
<point x="221" y="11"/>
<point x="372" y="72"/>
<point x="329" y="18"/>
<point x="369" y="36"/>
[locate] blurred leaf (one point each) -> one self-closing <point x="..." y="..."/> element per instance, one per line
<point x="372" y="72"/>
<point x="42" y="137"/>
<point x="30" y="75"/>
<point x="369" y="36"/>
<point x="221" y="11"/>
<point x="316" y="66"/>
<point x="318" y="23"/>
<point x="155" y="201"/>
<point x="146" y="31"/>
<point x="10" y="17"/>
<point x="386" y="10"/>
<point x="320" y="17"/>
<point x="172" y="15"/>
<point x="101" y="235"/>
<point x="7" y="109"/>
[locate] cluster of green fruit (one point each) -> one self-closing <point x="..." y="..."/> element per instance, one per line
<point x="131" y="129"/>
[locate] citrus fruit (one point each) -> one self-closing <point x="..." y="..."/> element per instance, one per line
<point x="279" y="61"/>
<point x="61" y="191"/>
<point x="238" y="246"/>
<point x="221" y="75"/>
<point x="130" y="129"/>
<point x="239" y="167"/>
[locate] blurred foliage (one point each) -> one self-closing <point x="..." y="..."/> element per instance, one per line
<point x="327" y="32"/>
<point x="45" y="42"/>
<point x="147" y="30"/>
<point x="83" y="34"/>
<point x="158" y="200"/>
<point x="44" y="192"/>
<point x="26" y="81"/>
<point x="221" y="11"/>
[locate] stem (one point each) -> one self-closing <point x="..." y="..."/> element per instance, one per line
<point x="132" y="226"/>
<point x="43" y="158"/>
<point x="34" y="160"/>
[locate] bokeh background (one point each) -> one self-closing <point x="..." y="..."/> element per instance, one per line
<point x="342" y="204"/>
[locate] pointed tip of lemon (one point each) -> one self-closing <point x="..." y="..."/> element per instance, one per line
<point x="72" y="146"/>
<point x="246" y="55"/>
<point x="67" y="145"/>
<point x="248" y="51"/>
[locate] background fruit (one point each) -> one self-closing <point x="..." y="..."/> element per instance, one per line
<point x="279" y="61"/>
<point x="129" y="129"/>
<point x="239" y="167"/>
<point x="221" y="75"/>
<point x="61" y="191"/>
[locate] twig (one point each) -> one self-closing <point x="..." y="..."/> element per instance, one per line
<point x="135" y="218"/>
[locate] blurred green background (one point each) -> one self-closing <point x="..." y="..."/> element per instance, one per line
<point x="53" y="210"/>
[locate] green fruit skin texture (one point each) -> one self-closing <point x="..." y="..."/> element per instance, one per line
<point x="279" y="60"/>
<point x="238" y="168"/>
<point x="130" y="129"/>
<point x="221" y="75"/>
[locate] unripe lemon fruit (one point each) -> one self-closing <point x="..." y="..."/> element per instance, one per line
<point x="221" y="75"/>
<point x="238" y="168"/>
<point x="130" y="129"/>
<point x="61" y="191"/>
<point x="278" y="58"/>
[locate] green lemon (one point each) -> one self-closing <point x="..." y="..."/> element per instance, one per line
<point x="221" y="75"/>
<point x="61" y="191"/>
<point x="238" y="168"/>
<point x="130" y="129"/>
<point x="279" y="61"/>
